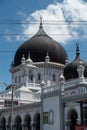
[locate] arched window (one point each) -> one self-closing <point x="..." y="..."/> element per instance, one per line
<point x="54" y="77"/>
<point x="3" y="123"/>
<point x="39" y="76"/>
<point x="15" y="79"/>
<point x="31" y="77"/>
<point x="19" y="78"/>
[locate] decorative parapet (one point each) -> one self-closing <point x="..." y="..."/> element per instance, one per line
<point x="52" y="88"/>
<point x="77" y="86"/>
<point x="33" y="85"/>
<point x="75" y="82"/>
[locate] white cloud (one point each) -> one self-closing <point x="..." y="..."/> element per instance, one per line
<point x="21" y="14"/>
<point x="76" y="9"/>
<point x="8" y="37"/>
<point x="71" y="10"/>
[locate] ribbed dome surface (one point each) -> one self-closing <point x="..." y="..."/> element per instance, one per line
<point x="38" y="46"/>
<point x="70" y="70"/>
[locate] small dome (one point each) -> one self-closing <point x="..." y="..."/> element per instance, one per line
<point x="70" y="70"/>
<point x="38" y="46"/>
<point x="61" y="77"/>
<point x="47" y="58"/>
<point x="29" y="61"/>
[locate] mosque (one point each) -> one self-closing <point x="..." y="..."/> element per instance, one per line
<point x="47" y="92"/>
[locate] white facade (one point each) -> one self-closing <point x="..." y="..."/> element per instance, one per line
<point x="40" y="98"/>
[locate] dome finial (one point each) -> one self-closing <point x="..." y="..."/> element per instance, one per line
<point x="41" y="25"/>
<point x="77" y="49"/>
<point x="66" y="61"/>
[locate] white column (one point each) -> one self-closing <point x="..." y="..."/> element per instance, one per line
<point x="26" y="80"/>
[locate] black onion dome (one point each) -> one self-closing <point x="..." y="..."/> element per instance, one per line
<point x="70" y="70"/>
<point x="38" y="46"/>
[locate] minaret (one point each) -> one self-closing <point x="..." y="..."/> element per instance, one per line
<point x="62" y="82"/>
<point x="80" y="70"/>
<point x="23" y="60"/>
<point x="80" y="67"/>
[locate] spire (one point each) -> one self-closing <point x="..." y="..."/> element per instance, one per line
<point x="41" y="31"/>
<point x="41" y="25"/>
<point x="77" y="49"/>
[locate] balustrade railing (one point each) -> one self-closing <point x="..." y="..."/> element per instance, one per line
<point x="50" y="88"/>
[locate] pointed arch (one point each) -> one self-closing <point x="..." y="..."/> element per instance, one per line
<point x="27" y="121"/>
<point x="54" y="77"/>
<point x="72" y="117"/>
<point x="37" y="120"/>
<point x="85" y="115"/>
<point x="18" y="121"/>
<point x="3" y="123"/>
<point x="39" y="76"/>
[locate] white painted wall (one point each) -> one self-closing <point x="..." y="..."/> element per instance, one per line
<point x="52" y="103"/>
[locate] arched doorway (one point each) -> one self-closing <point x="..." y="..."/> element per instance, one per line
<point x="18" y="121"/>
<point x="27" y="121"/>
<point x="37" y="121"/>
<point x="73" y="118"/>
<point x="3" y="123"/>
<point x="85" y="115"/>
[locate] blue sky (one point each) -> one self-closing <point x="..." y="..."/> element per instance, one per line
<point x="55" y="15"/>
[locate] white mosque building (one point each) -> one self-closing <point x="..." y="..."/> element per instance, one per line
<point x="47" y="92"/>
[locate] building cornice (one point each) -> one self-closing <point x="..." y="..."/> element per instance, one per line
<point x="22" y="107"/>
